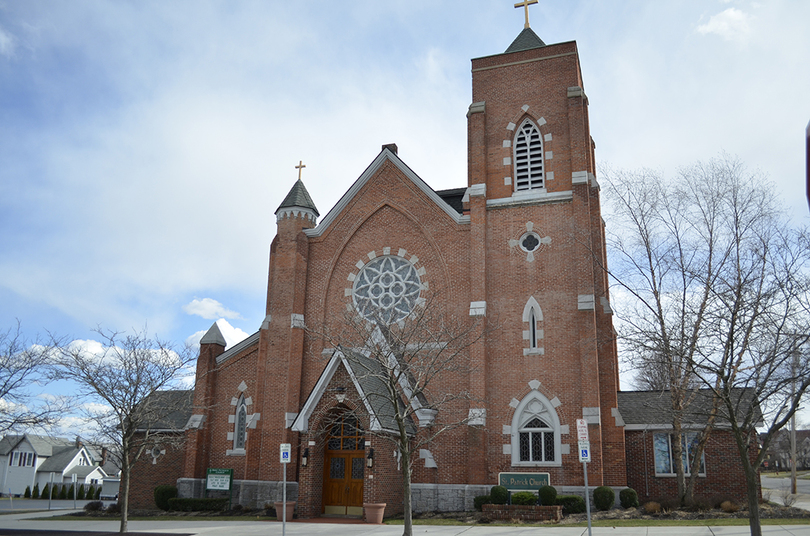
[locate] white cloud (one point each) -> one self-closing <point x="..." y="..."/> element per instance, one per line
<point x="731" y="24"/>
<point x="6" y="43"/>
<point x="232" y="335"/>
<point x="209" y="309"/>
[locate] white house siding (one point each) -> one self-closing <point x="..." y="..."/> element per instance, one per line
<point x="18" y="478"/>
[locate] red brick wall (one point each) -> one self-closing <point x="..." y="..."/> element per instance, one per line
<point x="724" y="473"/>
<point x="146" y="475"/>
<point x="462" y="263"/>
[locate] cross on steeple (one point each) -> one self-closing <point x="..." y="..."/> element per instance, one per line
<point x="525" y="5"/>
<point x="301" y="164"/>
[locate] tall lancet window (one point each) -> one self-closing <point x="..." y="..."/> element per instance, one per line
<point x="528" y="149"/>
<point x="240" y="428"/>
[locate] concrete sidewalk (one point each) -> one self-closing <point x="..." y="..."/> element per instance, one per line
<point x="24" y="522"/>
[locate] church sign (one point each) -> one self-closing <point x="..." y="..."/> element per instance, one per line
<point x="523" y="481"/>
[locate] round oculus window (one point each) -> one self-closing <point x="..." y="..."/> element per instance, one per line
<point x="529" y="242"/>
<point x="386" y="289"/>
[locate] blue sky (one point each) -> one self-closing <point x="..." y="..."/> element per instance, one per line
<point x="144" y="146"/>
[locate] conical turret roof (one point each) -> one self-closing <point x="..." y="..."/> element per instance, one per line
<point x="298" y="197"/>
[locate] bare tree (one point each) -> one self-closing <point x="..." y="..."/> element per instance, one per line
<point x="122" y="381"/>
<point x="716" y="286"/>
<point x="414" y="369"/>
<point x="22" y="366"/>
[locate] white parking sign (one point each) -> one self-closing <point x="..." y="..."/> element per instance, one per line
<point x="584" y="451"/>
<point x="285" y="452"/>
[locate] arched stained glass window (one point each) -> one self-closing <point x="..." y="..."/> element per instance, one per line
<point x="240" y="428"/>
<point x="528" y="154"/>
<point x="536" y="432"/>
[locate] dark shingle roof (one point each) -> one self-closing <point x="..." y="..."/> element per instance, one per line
<point x="167" y="410"/>
<point x="370" y="375"/>
<point x="526" y="40"/>
<point x="61" y="457"/>
<point x="453" y="198"/>
<point x="298" y="197"/>
<point x="655" y="407"/>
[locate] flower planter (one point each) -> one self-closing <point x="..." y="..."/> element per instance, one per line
<point x="374" y="512"/>
<point x="290" y="507"/>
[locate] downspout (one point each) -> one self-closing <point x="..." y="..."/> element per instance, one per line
<point x="646" y="469"/>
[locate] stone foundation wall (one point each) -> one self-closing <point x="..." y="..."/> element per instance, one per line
<point x="248" y="493"/>
<point x="445" y="497"/>
<point x="523" y="512"/>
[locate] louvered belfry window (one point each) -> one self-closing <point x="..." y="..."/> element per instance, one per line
<point x="528" y="148"/>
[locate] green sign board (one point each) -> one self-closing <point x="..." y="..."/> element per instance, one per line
<point x="523" y="481"/>
<point x="219" y="479"/>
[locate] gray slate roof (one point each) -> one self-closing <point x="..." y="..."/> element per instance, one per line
<point x="60" y="458"/>
<point x="370" y="376"/>
<point x="168" y="410"/>
<point x="42" y="445"/>
<point x="655" y="407"/>
<point x="526" y="40"/>
<point x="298" y="197"/>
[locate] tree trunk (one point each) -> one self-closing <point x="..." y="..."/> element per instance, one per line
<point x="406" y="487"/>
<point x="123" y="498"/>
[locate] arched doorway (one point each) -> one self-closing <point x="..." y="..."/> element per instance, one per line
<point x="344" y="467"/>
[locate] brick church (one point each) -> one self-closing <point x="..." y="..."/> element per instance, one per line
<point x="521" y="242"/>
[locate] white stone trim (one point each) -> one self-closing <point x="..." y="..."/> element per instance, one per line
<point x="531" y="197"/>
<point x="549" y="414"/>
<point x="617" y="416"/>
<point x="371" y="170"/>
<point x="195" y="422"/>
<point x="547" y="137"/>
<point x="478" y="308"/>
<point x="295" y="212"/>
<point x="585" y="302"/>
<point x="477" y="417"/>
<point x="235" y="452"/>
<point x="593" y="415"/>
<point x="549" y="155"/>
<point x="579" y="177"/>
<point x="477" y="190"/>
<point x="297" y="321"/>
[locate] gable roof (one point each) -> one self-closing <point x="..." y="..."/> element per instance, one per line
<point x="385" y="155"/>
<point x="653" y="409"/>
<point x="366" y="375"/>
<point x="42" y="445"/>
<point x="170" y="410"/>
<point x="60" y="459"/>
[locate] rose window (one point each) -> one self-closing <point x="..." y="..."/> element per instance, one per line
<point x="386" y="289"/>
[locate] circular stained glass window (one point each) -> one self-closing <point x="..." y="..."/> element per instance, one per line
<point x="386" y="289"/>
<point x="529" y="242"/>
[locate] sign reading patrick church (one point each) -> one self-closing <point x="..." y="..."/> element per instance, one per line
<point x="523" y="481"/>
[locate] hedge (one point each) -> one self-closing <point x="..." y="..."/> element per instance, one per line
<point x="163" y="494"/>
<point x="198" y="505"/>
<point x="572" y="504"/>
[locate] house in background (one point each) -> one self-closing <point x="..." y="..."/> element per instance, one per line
<point x="28" y="459"/>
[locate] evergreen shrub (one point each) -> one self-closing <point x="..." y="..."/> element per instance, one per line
<point x="198" y="505"/>
<point x="35" y="492"/>
<point x="481" y="500"/>
<point x="80" y="492"/>
<point x="163" y="494"/>
<point x="27" y="494"/>
<point x="572" y="504"/>
<point x="499" y="495"/>
<point x="628" y="498"/>
<point x="604" y="497"/>
<point x="524" y="497"/>
<point x="46" y="492"/>
<point x="63" y="493"/>
<point x="548" y="495"/>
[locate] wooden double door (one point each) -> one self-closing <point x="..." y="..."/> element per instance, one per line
<point x="344" y="468"/>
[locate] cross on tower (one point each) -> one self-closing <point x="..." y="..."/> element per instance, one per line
<point x="525" y="5"/>
<point x="301" y="164"/>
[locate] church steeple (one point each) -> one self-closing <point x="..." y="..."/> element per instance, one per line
<point x="298" y="203"/>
